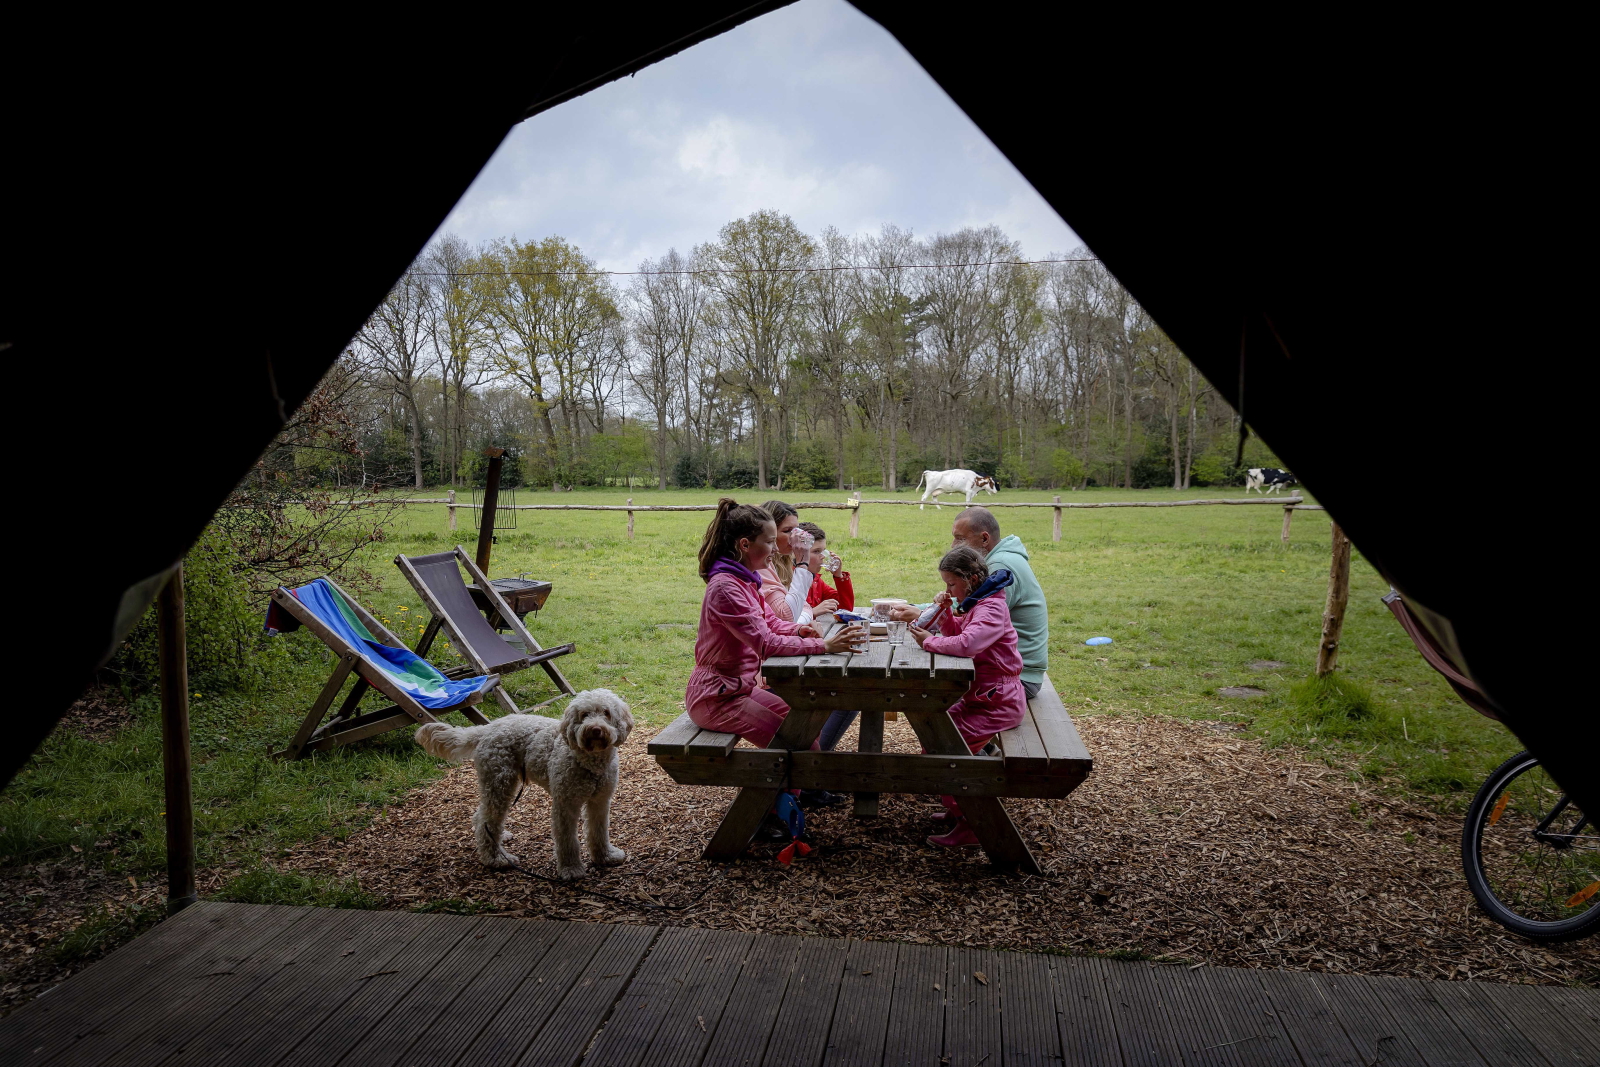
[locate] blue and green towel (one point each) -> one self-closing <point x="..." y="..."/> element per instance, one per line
<point x="407" y="670"/>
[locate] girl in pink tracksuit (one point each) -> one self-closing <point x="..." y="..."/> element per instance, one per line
<point x="983" y="633"/>
<point x="738" y="629"/>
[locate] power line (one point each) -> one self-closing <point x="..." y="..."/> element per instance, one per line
<point x="738" y="270"/>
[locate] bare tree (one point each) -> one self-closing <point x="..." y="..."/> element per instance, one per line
<point x="396" y="346"/>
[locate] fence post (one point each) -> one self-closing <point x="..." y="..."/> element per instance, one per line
<point x="630" y="521"/>
<point x="1056" y="532"/>
<point x="173" y="654"/>
<point x="855" y="515"/>
<point x="1338" y="598"/>
<point x="1288" y="515"/>
<point x="451" y="507"/>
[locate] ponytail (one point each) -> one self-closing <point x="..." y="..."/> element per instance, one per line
<point x="732" y="521"/>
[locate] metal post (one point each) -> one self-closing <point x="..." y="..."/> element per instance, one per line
<point x="491" y="500"/>
<point x="174" y="658"/>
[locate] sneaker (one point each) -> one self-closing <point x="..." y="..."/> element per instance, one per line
<point x="772" y="829"/>
<point x="960" y="836"/>
<point x="991" y="749"/>
<point x="944" y="817"/>
<point x="819" y="798"/>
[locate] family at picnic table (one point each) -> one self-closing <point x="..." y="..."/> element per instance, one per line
<point x="766" y="576"/>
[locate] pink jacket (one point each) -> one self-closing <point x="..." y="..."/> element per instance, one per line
<point x="996" y="700"/>
<point x="737" y="631"/>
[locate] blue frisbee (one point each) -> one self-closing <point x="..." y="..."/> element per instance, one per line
<point x="1098" y="641"/>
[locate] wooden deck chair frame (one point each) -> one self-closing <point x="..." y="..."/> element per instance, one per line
<point x="534" y="653"/>
<point x="346" y="726"/>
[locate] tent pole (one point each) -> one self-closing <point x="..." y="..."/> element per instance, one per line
<point x="174" y="655"/>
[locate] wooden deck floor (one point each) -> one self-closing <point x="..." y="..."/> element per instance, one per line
<point x="250" y="986"/>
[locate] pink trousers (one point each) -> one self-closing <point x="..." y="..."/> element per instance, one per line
<point x="755" y="717"/>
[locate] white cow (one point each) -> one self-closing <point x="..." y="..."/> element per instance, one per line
<point x="1275" y="477"/>
<point x="968" y="482"/>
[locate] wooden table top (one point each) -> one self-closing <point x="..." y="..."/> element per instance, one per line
<point x="906" y="664"/>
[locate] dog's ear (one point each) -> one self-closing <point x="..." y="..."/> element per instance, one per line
<point x="571" y="719"/>
<point x="623" y="716"/>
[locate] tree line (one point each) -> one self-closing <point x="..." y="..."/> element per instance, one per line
<point x="770" y="357"/>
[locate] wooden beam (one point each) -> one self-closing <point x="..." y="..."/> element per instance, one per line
<point x="173" y="651"/>
<point x="1338" y="599"/>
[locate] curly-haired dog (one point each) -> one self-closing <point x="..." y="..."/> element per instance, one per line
<point x="574" y="758"/>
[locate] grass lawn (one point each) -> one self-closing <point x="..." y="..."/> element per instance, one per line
<point x="1191" y="597"/>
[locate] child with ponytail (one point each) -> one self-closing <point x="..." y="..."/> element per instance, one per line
<point x="738" y="629"/>
<point x="975" y="623"/>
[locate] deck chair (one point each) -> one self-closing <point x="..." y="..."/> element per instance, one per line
<point x="437" y="580"/>
<point x="1439" y="659"/>
<point x="420" y="691"/>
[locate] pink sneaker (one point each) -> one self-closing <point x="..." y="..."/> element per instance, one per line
<point x="960" y="835"/>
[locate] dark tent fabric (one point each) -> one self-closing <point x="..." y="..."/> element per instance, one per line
<point x="1321" y="224"/>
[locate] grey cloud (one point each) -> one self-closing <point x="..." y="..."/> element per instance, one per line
<point x="812" y="110"/>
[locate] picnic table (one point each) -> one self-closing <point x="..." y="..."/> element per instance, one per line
<point x="1042" y="758"/>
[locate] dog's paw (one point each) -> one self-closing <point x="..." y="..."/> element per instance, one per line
<point x="505" y="835"/>
<point x="568" y="874"/>
<point x="611" y="857"/>
<point x="500" y="860"/>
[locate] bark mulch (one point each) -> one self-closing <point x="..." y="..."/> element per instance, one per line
<point x="1187" y="843"/>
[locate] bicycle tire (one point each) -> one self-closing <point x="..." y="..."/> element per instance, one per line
<point x="1478" y="816"/>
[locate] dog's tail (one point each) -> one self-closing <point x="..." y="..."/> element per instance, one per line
<point x="443" y="741"/>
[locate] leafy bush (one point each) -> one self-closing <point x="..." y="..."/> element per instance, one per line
<point x="228" y="649"/>
<point x="267" y="885"/>
<point x="1066" y="469"/>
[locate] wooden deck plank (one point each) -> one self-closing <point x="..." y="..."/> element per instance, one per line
<point x="915" y="1032"/>
<point x="1418" y="1014"/>
<point x="1495" y="1038"/>
<point x="489" y="994"/>
<point x="430" y="1001"/>
<point x="535" y="996"/>
<point x="1580" y="1007"/>
<point x="686" y="1030"/>
<point x="861" y="1019"/>
<point x="1260" y="1040"/>
<point x="187" y="1000"/>
<point x="1083" y="1014"/>
<point x="347" y="1028"/>
<point x="1311" y="1024"/>
<point x="1366" y="1021"/>
<point x="972" y="1008"/>
<point x="99" y="995"/>
<point x="647" y="998"/>
<point x="801" y="1030"/>
<point x="1204" y="1037"/>
<point x="1144" y="1032"/>
<point x="270" y="1020"/>
<point x="1028" y="1030"/>
<point x="1565" y="1042"/>
<point x="741" y="1036"/>
<point x="590" y="1000"/>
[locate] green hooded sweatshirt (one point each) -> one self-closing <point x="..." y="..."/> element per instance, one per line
<point x="1025" y="599"/>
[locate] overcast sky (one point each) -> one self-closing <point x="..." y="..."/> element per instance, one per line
<point x="813" y="110"/>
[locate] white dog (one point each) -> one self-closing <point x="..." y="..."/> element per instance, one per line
<point x="574" y="758"/>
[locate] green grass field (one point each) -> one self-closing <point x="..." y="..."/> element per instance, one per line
<point x="1191" y="596"/>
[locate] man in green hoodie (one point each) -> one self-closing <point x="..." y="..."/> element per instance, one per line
<point x="979" y="529"/>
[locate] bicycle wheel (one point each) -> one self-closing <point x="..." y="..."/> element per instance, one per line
<point x="1531" y="857"/>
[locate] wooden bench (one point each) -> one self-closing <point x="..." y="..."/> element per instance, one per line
<point x="1043" y="758"/>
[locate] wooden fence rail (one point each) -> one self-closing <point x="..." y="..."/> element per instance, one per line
<point x="1289" y="504"/>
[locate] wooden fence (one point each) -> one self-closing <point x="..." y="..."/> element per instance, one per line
<point x="854" y="505"/>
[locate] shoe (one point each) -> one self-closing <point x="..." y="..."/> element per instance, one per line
<point x="991" y="749"/>
<point x="772" y="829"/>
<point x="944" y="817"/>
<point x="960" y="836"/>
<point x="819" y="798"/>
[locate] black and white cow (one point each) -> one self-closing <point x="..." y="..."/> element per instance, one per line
<point x="969" y="483"/>
<point x="1275" y="477"/>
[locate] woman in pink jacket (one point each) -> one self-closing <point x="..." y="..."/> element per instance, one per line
<point x="738" y="630"/>
<point x="978" y="627"/>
